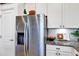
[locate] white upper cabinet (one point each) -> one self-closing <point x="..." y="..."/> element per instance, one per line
<point x="41" y="8"/>
<point x="0" y="21"/>
<point x="7" y="7"/>
<point x="54" y="15"/>
<point x="0" y="10"/>
<point x="64" y="15"/>
<point x="20" y="9"/>
<point x="71" y="15"/>
<point x="0" y="27"/>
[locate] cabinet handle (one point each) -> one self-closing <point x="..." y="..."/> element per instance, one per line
<point x="57" y="54"/>
<point x="58" y="48"/>
<point x="76" y="54"/>
<point x="60" y="26"/>
<point x="63" y="26"/>
<point x="11" y="40"/>
<point x="0" y="36"/>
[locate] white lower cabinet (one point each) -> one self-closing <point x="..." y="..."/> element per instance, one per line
<point x="54" y="50"/>
<point x="1" y="47"/>
<point x="0" y="27"/>
<point x="7" y="48"/>
<point x="65" y="54"/>
<point x="76" y="53"/>
<point x="55" y="53"/>
<point x="51" y="53"/>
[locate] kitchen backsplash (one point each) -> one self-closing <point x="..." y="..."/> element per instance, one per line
<point x="66" y="33"/>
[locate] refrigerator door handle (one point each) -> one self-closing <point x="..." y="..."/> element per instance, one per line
<point x="26" y="39"/>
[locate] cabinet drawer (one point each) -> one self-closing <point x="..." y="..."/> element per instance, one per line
<point x="54" y="53"/>
<point x="50" y="47"/>
<point x="50" y="53"/>
<point x="66" y="49"/>
<point x="60" y="48"/>
<point x="8" y="6"/>
<point x="66" y="54"/>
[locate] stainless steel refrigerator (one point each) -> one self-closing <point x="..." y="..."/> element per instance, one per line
<point x="35" y="34"/>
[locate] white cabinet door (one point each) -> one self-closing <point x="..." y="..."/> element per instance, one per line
<point x="54" y="50"/>
<point x="41" y="8"/>
<point x="0" y="22"/>
<point x="0" y="27"/>
<point x="0" y="37"/>
<point x="54" y="15"/>
<point x="75" y="52"/>
<point x="8" y="32"/>
<point x="66" y="54"/>
<point x="51" y="50"/>
<point x="71" y="15"/>
<point x="51" y="53"/>
<point x="18" y="6"/>
<point x="0" y="32"/>
<point x="20" y="9"/>
<point x="0" y="9"/>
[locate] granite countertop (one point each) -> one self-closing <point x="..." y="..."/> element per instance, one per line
<point x="73" y="44"/>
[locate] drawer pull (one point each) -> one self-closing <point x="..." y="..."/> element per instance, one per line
<point x="57" y="54"/>
<point x="0" y="36"/>
<point x="76" y="54"/>
<point x="11" y="40"/>
<point x="58" y="48"/>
